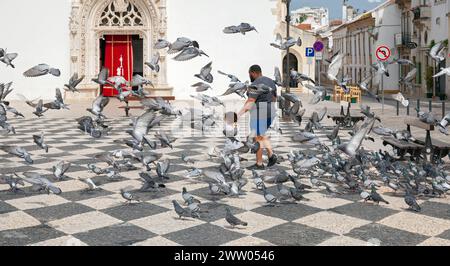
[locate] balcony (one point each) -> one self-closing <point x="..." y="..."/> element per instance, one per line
<point x="405" y="40"/>
<point x="422" y="12"/>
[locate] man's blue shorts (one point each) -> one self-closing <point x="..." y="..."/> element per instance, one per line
<point x="261" y="126"/>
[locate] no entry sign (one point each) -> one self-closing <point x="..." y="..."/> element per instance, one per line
<point x="383" y="53"/>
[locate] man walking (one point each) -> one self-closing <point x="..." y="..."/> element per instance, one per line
<point x="262" y="113"/>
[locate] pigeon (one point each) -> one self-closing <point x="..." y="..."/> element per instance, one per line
<point x="128" y="196"/>
<point x="41" y="70"/>
<point x="301" y="77"/>
<point x="40" y="183"/>
<point x="186" y="159"/>
<point x="443" y="125"/>
<point x="187" y="197"/>
<point x="353" y="146"/>
<point x="320" y="93"/>
<point x="334" y="67"/>
<point x="410" y="76"/>
<point x="233" y="220"/>
<point x="140" y="82"/>
<point x="201" y="87"/>
<point x="13" y="183"/>
<point x="444" y="71"/>
<point x="154" y="63"/>
<point x="28" y="102"/>
<point x="19" y="152"/>
<point x="233" y="78"/>
<point x="242" y="28"/>
<point x="296" y="195"/>
<point x="283" y="192"/>
<point x="375" y="197"/>
<point x="141" y="128"/>
<point x="182" y="43"/>
<point x="166" y="141"/>
<point x="162" y="168"/>
<point x="91" y="185"/>
<point x="381" y="68"/>
<point x="98" y="105"/>
<point x="91" y="127"/>
<point x="39" y="111"/>
<point x="411" y="201"/>
<point x="364" y="86"/>
<point x="8" y="58"/>
<point x="278" y="78"/>
<point x="96" y="170"/>
<point x="437" y="52"/>
<point x="5" y="90"/>
<point x="60" y="169"/>
<point x="205" y="73"/>
<point x="13" y="111"/>
<point x="290" y="42"/>
<point x="400" y="98"/>
<point x="58" y="103"/>
<point x="161" y="44"/>
<point x="149" y="182"/>
<point x="102" y="78"/>
<point x="73" y="83"/>
<point x="181" y="212"/>
<point x="270" y="199"/>
<point x="39" y="141"/>
<point x="403" y="62"/>
<point x="238" y="88"/>
<point x="189" y="53"/>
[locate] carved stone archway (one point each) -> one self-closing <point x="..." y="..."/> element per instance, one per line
<point x="91" y="20"/>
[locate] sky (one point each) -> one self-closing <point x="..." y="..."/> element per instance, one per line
<point x="335" y="6"/>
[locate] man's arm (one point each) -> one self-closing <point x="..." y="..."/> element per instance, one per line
<point x="247" y="106"/>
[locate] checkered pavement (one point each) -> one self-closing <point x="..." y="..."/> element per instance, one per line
<point x="78" y="217"/>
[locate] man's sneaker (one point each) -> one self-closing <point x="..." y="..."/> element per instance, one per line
<point x="272" y="160"/>
<point x="256" y="167"/>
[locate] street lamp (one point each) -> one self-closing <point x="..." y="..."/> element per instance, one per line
<point x="288" y="59"/>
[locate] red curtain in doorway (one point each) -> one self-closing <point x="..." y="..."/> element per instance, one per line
<point x="118" y="59"/>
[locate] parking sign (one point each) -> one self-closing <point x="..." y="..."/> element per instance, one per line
<point x="310" y="52"/>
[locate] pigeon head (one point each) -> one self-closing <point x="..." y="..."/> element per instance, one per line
<point x="28" y="159"/>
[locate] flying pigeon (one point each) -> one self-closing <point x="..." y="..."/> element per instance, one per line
<point x="162" y="44"/>
<point x="19" y="152"/>
<point x="73" y="83"/>
<point x="102" y="78"/>
<point x="189" y="53"/>
<point x="60" y="169"/>
<point x="444" y="71"/>
<point x="205" y="73"/>
<point x="437" y="52"/>
<point x="98" y="105"/>
<point x="242" y="28"/>
<point x="154" y="63"/>
<point x="41" y="183"/>
<point x="233" y="78"/>
<point x="41" y="70"/>
<point x="290" y="42"/>
<point x="201" y="87"/>
<point x="40" y="142"/>
<point x="181" y="44"/>
<point x="7" y="59"/>
<point x="400" y="98"/>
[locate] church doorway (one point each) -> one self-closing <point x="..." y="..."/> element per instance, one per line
<point x="123" y="55"/>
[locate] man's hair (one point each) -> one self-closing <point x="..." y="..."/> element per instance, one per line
<point x="255" y="69"/>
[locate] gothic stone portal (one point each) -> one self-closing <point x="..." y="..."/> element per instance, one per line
<point x="91" y="24"/>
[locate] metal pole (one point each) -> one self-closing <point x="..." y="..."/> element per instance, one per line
<point x="382" y="88"/>
<point x="288" y="34"/>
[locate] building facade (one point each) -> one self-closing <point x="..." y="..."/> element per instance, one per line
<point x="358" y="40"/>
<point x="317" y="17"/>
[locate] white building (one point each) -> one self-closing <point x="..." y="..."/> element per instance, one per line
<point x="68" y="34"/>
<point x="317" y="17"/>
<point x="359" y="38"/>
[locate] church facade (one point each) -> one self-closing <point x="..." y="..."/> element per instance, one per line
<point x="119" y="35"/>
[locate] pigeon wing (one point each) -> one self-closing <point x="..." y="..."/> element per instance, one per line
<point x="36" y="71"/>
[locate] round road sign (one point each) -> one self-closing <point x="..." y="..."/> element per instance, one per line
<point x="383" y="53"/>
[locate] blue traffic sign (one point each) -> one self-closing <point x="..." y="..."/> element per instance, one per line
<point x="310" y="52"/>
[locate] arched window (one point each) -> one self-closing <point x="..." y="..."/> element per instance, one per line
<point x="121" y="13"/>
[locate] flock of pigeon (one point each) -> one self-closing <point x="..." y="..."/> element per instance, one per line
<point x="340" y="168"/>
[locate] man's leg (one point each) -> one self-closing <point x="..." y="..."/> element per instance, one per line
<point x="259" y="153"/>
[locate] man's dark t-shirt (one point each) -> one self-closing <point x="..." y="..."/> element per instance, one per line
<point x="265" y="106"/>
